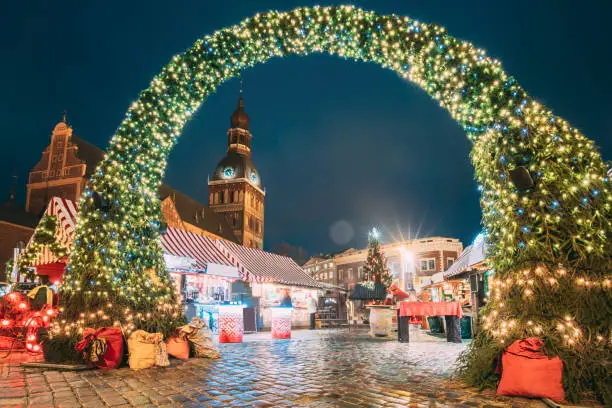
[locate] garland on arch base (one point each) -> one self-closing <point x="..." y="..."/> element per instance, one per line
<point x="559" y="223"/>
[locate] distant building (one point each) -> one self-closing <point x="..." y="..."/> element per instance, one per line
<point x="322" y="268"/>
<point x="16" y="228"/>
<point x="65" y="167"/>
<point x="235" y="190"/>
<point x="410" y="262"/>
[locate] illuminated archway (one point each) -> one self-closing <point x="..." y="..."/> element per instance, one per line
<point x="544" y="193"/>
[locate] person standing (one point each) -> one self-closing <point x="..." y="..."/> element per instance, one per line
<point x="311" y="305"/>
<point x="286" y="299"/>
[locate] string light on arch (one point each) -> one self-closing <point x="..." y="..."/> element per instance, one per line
<point x="559" y="212"/>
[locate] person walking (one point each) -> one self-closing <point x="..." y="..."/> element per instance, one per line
<point x="311" y="305"/>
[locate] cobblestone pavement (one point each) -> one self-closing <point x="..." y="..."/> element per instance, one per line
<point x="316" y="369"/>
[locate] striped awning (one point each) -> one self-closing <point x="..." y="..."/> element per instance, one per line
<point x="66" y="213"/>
<point x="256" y="265"/>
<point x="472" y="255"/>
<point x="200" y="249"/>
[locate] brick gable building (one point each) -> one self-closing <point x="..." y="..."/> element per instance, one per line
<point x="64" y="168"/>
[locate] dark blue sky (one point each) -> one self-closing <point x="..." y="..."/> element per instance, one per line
<point x="333" y="140"/>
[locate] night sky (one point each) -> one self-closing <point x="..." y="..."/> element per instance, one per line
<point x="340" y="146"/>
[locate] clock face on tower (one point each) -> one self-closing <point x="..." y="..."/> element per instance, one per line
<point x="253" y="177"/>
<point x="228" y="172"/>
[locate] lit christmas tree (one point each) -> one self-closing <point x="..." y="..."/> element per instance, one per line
<point x="375" y="269"/>
<point x="545" y="192"/>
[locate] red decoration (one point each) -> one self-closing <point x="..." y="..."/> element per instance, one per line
<point x="528" y="372"/>
<point x="114" y="345"/>
<point x="230" y="324"/>
<point x="178" y="348"/>
<point x="281" y="323"/>
<point x="430" y="309"/>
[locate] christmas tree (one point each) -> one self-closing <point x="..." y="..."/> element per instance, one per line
<point x="545" y="192"/>
<point x="375" y="269"/>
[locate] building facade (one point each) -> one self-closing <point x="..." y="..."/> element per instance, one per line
<point x="65" y="166"/>
<point x="16" y="228"/>
<point x="59" y="173"/>
<point x="235" y="189"/>
<point x="410" y="262"/>
<point x="322" y="268"/>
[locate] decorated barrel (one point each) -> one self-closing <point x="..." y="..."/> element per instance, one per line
<point x="381" y="321"/>
<point x="230" y="323"/>
<point x="281" y="322"/>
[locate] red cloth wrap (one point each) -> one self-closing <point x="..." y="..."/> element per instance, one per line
<point x="114" y="345"/>
<point x="528" y="372"/>
<point x="178" y="347"/>
<point x="430" y="309"/>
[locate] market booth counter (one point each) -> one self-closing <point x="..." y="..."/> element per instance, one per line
<point x="270" y="296"/>
<point x="270" y="277"/>
<point x="451" y="311"/>
<point x="231" y="323"/>
<point x="204" y="277"/>
<point x="281" y="322"/>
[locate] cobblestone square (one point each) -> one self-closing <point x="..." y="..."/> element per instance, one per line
<point x="325" y="368"/>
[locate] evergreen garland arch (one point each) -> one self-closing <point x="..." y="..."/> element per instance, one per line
<point x="545" y="195"/>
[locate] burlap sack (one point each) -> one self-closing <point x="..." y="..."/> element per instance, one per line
<point x="200" y="336"/>
<point x="145" y="350"/>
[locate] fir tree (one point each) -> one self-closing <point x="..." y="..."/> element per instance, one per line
<point x="375" y="270"/>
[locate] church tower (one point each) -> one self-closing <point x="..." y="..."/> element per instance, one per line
<point x="235" y="190"/>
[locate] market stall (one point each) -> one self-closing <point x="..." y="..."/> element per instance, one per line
<point x="270" y="276"/>
<point x="471" y="272"/>
<point x="201" y="273"/>
<point x="451" y="311"/>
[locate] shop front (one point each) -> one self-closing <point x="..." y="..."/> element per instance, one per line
<point x="274" y="281"/>
<point x="271" y="295"/>
<point x="469" y="274"/>
<point x="201" y="274"/>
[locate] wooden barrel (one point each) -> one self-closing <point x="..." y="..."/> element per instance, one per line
<point x="381" y="321"/>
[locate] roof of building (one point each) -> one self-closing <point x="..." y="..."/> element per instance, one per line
<point x="190" y="210"/>
<point x="472" y="255"/>
<point x="239" y="118"/>
<point x="197" y="214"/>
<point x="260" y="266"/>
<point x="90" y="154"/>
<point x="198" y="248"/>
<point x="365" y="292"/>
<point x="236" y="165"/>
<point x="12" y="212"/>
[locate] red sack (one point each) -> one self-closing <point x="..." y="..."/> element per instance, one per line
<point x="113" y="355"/>
<point x="178" y="348"/>
<point x="528" y="372"/>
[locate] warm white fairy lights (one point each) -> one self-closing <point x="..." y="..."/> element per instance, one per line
<point x="561" y="216"/>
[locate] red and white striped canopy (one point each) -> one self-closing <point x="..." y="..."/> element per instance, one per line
<point x="260" y="266"/>
<point x="66" y="213"/>
<point x="199" y="248"/>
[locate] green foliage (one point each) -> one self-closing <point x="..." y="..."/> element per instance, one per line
<point x="375" y="269"/>
<point x="544" y="238"/>
<point x="43" y="237"/>
<point x="61" y="349"/>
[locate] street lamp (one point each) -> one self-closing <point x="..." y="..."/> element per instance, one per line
<point x="374" y="233"/>
<point x="407" y="260"/>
